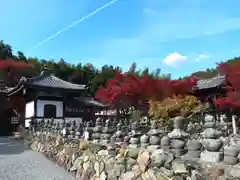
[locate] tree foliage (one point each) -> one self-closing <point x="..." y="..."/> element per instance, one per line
<point x="130" y="89"/>
<point x="173" y="106"/>
<point x="155" y="85"/>
<point x="232" y="99"/>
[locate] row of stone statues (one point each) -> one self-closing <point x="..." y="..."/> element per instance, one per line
<point x="210" y="145"/>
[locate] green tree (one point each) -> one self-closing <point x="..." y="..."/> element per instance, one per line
<point x="87" y="74"/>
<point x="5" y="51"/>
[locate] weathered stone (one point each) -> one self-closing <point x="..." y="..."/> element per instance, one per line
<point x="77" y="164"/>
<point x="97" y="162"/>
<point x="212" y="157"/>
<point x="166" y="172"/>
<point x="179" y="152"/>
<point x="179" y="167"/>
<point x="133" y="152"/>
<point x="178" y="144"/>
<point x="143" y="161"/>
<point x="109" y="163"/>
<point x="213" y="145"/>
<point x="196" y="176"/>
<point x="118" y="170"/>
<point x="177" y="177"/>
<point x="34" y="145"/>
<point x="231" y="151"/>
<point x="234" y="172"/>
<point x="128" y="176"/>
<point x="120" y="159"/>
<point x="194" y="145"/>
<point x="102" y="153"/>
<point x="137" y="171"/>
<point x="130" y="162"/>
<point x="230" y="160"/>
<point x="99" y="167"/>
<point x="149" y="175"/>
<point x="144" y="139"/>
<point x="86" y="163"/>
<point x="169" y="160"/>
<point x="214" y="173"/>
<point x="158" y="159"/>
<point x="193" y="154"/>
<point x="84" y="176"/>
<point x="165" y="141"/>
<point x="159" y="174"/>
<point x="83" y="145"/>
<point x="103" y="176"/>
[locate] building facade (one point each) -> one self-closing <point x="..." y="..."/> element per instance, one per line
<point x="46" y="97"/>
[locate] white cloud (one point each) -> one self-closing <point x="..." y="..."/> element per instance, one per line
<point x="201" y="57"/>
<point x="174" y="59"/>
<point x="162" y="23"/>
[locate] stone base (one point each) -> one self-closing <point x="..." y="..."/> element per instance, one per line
<point x="96" y="141"/>
<point x="230" y="160"/>
<point x="194" y="153"/>
<point x="178" y="152"/>
<point x="166" y="149"/>
<point x="144" y="145"/>
<point x="105" y="141"/>
<point x="153" y="147"/>
<point x="133" y="146"/>
<point x="211" y="157"/>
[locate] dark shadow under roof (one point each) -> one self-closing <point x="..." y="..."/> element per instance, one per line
<point x="90" y="102"/>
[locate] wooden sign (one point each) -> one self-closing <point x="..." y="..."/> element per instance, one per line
<point x="14" y="120"/>
<point x="73" y="108"/>
<point x="70" y="111"/>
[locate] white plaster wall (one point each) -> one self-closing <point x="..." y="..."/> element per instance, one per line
<point x="29" y="112"/>
<point x="40" y="111"/>
<point x="29" y="109"/>
<point x="41" y="103"/>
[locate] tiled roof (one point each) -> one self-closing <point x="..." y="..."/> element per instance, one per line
<point x="210" y="83"/>
<point x="48" y="80"/>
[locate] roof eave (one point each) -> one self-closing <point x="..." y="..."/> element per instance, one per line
<point x="56" y="88"/>
<point x="91" y="102"/>
<point x="14" y="91"/>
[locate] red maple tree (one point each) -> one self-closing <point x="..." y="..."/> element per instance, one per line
<point x="129" y="89"/>
<point x="231" y="101"/>
<point x="12" y="67"/>
<point x="7" y="64"/>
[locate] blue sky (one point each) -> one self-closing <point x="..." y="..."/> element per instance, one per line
<point x="177" y="36"/>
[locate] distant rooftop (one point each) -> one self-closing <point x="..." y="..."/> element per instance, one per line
<point x="45" y="80"/>
<point x="210" y="83"/>
<point x="48" y="80"/>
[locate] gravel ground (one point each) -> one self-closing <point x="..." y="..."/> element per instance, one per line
<point x="20" y="163"/>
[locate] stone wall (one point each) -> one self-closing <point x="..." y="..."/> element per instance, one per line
<point x="141" y="152"/>
<point x="94" y="161"/>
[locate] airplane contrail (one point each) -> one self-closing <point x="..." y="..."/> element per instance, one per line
<point x="75" y="23"/>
